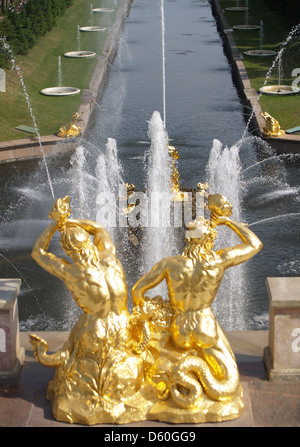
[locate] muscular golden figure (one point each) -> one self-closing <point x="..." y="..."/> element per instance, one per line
<point x="97" y="282"/>
<point x="96" y="278"/>
<point x="169" y="360"/>
<point x="194" y="277"/>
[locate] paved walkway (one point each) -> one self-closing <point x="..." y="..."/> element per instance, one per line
<point x="23" y="402"/>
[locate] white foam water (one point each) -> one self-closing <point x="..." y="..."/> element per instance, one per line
<point x="224" y="174"/>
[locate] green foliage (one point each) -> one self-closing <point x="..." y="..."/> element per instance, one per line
<point x="23" y="26"/>
<point x="289" y="10"/>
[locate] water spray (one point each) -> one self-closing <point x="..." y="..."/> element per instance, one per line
<point x="163" y="33"/>
<point x="18" y="70"/>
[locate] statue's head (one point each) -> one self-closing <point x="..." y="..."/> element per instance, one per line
<point x="76" y="242"/>
<point x="201" y="232"/>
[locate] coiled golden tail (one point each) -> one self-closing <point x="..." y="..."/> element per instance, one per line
<point x="193" y="376"/>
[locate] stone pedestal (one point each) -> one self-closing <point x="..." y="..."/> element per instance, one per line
<point x="282" y="356"/>
<point x="11" y="354"/>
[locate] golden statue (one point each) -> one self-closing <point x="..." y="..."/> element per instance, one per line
<point x="72" y="130"/>
<point x="202" y="188"/>
<point x="272" y="128"/>
<point x="175" y="176"/>
<point x="169" y="360"/>
<point x="130" y="188"/>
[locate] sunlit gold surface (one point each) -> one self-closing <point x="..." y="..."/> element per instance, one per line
<point x="168" y="360"/>
<point x="72" y="130"/>
<point x="202" y="188"/>
<point x="272" y="128"/>
<point x="130" y="188"/>
<point x="175" y="176"/>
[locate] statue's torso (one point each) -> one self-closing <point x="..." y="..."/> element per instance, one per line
<point x="193" y="284"/>
<point x="98" y="290"/>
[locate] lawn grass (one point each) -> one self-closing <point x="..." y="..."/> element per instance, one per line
<point x="285" y="109"/>
<point x="39" y="70"/>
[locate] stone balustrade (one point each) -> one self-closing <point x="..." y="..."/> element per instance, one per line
<point x="282" y="356"/>
<point x="11" y="354"/>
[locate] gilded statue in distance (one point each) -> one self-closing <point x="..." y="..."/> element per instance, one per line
<point x="272" y="127"/>
<point x="72" y="130"/>
<point x="168" y="360"/>
<point x="174" y="155"/>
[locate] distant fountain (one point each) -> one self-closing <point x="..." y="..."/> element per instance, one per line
<point x="273" y="89"/>
<point x="279" y="89"/>
<point x="59" y="72"/>
<point x="103" y="10"/>
<point x="78" y="37"/>
<point x="279" y="68"/>
<point x="246" y="14"/>
<point x="237" y="8"/>
<point x="261" y="52"/>
<point x="246" y="26"/>
<point x="91" y="14"/>
<point x="92" y="29"/>
<point x="79" y="53"/>
<point x="60" y="90"/>
<point x="261" y="35"/>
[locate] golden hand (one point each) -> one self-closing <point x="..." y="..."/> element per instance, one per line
<point x="217" y="219"/>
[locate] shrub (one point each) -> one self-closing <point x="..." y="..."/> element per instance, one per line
<point x="24" y="24"/>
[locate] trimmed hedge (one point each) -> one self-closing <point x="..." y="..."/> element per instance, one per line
<point x="23" y="26"/>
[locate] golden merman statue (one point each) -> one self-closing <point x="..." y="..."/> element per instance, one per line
<point x="168" y="360"/>
<point x="175" y="176"/>
<point x="72" y="130"/>
<point x="130" y="188"/>
<point x="272" y="128"/>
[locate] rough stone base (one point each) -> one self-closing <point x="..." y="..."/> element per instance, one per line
<point x="15" y="370"/>
<point x="279" y="375"/>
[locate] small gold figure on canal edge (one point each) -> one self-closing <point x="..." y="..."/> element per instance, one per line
<point x="272" y="128"/>
<point x="168" y="360"/>
<point x="72" y="130"/>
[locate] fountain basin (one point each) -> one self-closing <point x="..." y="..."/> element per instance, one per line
<point x="91" y="28"/>
<point x="102" y="10"/>
<point x="80" y="54"/>
<point x="279" y="90"/>
<point x="246" y="27"/>
<point x="237" y="9"/>
<point x="260" y="53"/>
<point x="60" y="91"/>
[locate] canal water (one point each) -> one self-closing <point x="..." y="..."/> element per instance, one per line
<point x="205" y="121"/>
